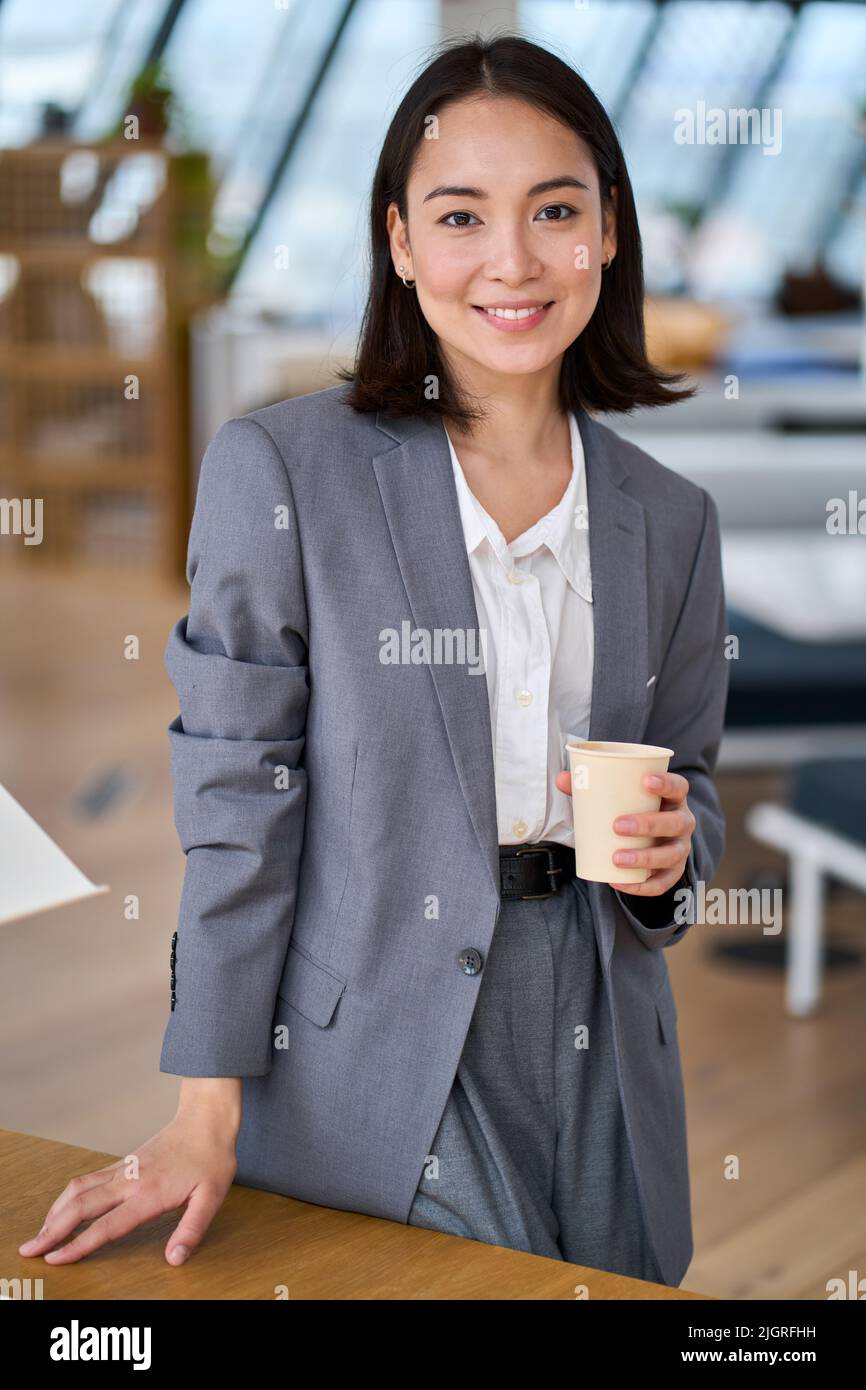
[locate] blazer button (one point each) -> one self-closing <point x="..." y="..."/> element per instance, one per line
<point x="470" y="960"/>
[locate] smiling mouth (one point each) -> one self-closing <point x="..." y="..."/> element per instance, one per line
<point x="515" y="314"/>
<point x="515" y="320"/>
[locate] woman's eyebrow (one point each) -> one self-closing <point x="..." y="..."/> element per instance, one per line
<point x="453" y="190"/>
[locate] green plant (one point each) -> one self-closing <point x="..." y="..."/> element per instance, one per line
<point x="154" y="102"/>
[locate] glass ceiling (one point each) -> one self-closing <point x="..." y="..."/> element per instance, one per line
<point x="79" y="53"/>
<point x="292" y="98"/>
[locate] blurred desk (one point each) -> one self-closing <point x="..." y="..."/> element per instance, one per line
<point x="762" y="480"/>
<point x="260" y="1243"/>
<point x="794" y="588"/>
<point x="809" y="585"/>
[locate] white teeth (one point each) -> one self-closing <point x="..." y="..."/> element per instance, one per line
<point x="514" y="313"/>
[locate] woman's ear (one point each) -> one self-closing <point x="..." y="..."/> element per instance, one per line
<point x="398" y="235"/>
<point x="609" y="220"/>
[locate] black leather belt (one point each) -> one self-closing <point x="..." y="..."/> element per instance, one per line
<point x="536" y="870"/>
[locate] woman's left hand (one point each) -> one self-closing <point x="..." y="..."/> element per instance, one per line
<point x="672" y="824"/>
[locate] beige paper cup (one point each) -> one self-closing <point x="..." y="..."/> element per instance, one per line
<point x="606" y="782"/>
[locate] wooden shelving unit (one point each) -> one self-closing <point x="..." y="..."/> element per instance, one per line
<point x="102" y="263"/>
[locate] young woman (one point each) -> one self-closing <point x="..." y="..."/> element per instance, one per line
<point x="390" y="993"/>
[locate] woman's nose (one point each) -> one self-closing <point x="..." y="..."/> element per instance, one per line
<point x="512" y="259"/>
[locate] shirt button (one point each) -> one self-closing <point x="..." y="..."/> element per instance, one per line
<point x="515" y="577"/>
<point x="524" y="697"/>
<point x="519" y="827"/>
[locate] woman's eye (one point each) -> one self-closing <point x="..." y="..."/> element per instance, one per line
<point x="557" y="208"/>
<point x="562" y="210"/>
<point x="448" y="223"/>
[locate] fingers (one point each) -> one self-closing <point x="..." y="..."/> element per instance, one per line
<point x="654" y="886"/>
<point x="671" y="785"/>
<point x="84" y="1208"/>
<point x="662" y="823"/>
<point x="81" y="1198"/>
<point x="203" y="1205"/>
<point x="664" y="856"/>
<point x="124" y="1218"/>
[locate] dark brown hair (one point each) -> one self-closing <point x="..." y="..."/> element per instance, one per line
<point x="606" y="368"/>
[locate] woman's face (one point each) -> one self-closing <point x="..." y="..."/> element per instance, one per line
<point x="503" y="209"/>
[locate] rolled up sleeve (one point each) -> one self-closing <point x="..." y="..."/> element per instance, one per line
<point x="238" y="662"/>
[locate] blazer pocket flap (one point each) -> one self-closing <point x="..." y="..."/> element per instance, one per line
<point x="667" y="1013"/>
<point x="310" y="988"/>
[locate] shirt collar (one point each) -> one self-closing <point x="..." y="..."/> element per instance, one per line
<point x="565" y="530"/>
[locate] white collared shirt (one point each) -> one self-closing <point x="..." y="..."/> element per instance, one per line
<point x="534" y="598"/>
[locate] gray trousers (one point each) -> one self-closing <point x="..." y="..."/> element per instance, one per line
<point x="531" y="1150"/>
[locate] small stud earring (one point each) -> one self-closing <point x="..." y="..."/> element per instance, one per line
<point x="407" y="283"/>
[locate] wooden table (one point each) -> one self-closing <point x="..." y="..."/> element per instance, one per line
<point x="265" y="1246"/>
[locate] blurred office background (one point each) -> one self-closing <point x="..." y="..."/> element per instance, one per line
<point x="151" y="288"/>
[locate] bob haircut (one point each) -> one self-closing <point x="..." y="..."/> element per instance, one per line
<point x="606" y="368"/>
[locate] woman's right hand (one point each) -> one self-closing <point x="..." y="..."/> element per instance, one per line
<point x="192" y="1160"/>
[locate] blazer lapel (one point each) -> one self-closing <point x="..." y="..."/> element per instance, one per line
<point x="617" y="551"/>
<point x="416" y="483"/>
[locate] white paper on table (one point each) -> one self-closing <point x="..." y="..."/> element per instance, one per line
<point x="35" y="874"/>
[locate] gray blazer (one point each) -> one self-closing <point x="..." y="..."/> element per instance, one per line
<point x="338" y="814"/>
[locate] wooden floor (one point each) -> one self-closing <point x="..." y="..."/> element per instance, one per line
<point x="84" y="991"/>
